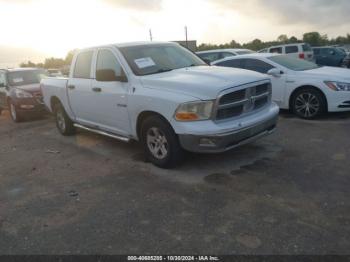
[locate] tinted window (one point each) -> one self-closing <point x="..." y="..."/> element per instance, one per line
<point x="210" y="56"/>
<point x="291" y="49"/>
<point x="28" y="77"/>
<point x="293" y="63"/>
<point x="226" y="54"/>
<point x="231" y="63"/>
<point x="107" y="60"/>
<point x="257" y="65"/>
<point x="316" y="51"/>
<point x="277" y="50"/>
<point x="83" y="65"/>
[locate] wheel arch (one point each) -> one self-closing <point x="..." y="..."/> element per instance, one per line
<point x="143" y="116"/>
<point x="54" y="101"/>
<point x="292" y="95"/>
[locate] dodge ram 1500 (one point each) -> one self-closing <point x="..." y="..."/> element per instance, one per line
<point x="164" y="96"/>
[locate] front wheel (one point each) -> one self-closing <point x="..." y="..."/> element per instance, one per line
<point x="160" y="143"/>
<point x="15" y="115"/>
<point x="64" y="125"/>
<point x="308" y="103"/>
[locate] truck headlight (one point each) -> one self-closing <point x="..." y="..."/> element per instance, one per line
<point x="338" y="86"/>
<point x="22" y="94"/>
<point x="194" y="111"/>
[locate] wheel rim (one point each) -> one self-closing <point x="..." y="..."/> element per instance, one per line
<point x="157" y="143"/>
<point x="13" y="112"/>
<point x="61" y="123"/>
<point x="307" y="105"/>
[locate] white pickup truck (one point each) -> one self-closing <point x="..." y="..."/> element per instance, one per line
<point x="164" y="96"/>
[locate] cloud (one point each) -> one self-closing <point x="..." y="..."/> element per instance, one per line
<point x="323" y="13"/>
<point x="140" y="5"/>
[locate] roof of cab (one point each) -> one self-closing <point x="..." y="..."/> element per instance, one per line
<point x="128" y="44"/>
<point x="20" y="69"/>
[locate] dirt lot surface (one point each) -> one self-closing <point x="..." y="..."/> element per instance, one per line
<point x="285" y="194"/>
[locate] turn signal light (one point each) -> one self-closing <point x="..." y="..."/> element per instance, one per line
<point x="185" y="116"/>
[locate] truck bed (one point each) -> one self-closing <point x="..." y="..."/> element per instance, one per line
<point x="54" y="87"/>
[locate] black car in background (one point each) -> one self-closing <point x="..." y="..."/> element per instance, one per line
<point x="20" y="91"/>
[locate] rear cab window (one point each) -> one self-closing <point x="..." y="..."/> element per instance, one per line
<point x="83" y="65"/>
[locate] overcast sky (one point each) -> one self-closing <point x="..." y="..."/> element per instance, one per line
<point x="56" y="26"/>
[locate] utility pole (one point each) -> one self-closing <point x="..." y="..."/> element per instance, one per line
<point x="150" y="35"/>
<point x="186" y="36"/>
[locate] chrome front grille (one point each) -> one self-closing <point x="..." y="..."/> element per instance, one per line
<point x="243" y="101"/>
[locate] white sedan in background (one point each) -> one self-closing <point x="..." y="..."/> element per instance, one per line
<point x="304" y="87"/>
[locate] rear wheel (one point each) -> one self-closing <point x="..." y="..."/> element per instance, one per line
<point x="64" y="124"/>
<point x="308" y="103"/>
<point x="15" y="115"/>
<point x="160" y="143"/>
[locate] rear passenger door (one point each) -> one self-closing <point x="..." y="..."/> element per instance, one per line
<point x="79" y="89"/>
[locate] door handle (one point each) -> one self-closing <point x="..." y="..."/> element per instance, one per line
<point x="97" y="89"/>
<point x="71" y="87"/>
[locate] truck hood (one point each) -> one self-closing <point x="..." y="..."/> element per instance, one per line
<point x="32" y="88"/>
<point x="329" y="73"/>
<point x="201" y="82"/>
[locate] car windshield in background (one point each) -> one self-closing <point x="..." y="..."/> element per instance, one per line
<point x="247" y="52"/>
<point x="153" y="59"/>
<point x="293" y="63"/>
<point x="22" y="78"/>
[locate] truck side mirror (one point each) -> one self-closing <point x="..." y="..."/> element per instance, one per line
<point x="108" y="75"/>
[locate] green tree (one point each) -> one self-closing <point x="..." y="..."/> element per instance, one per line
<point x="283" y="39"/>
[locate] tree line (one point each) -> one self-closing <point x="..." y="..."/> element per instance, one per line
<point x="312" y="38"/>
<point x="52" y="62"/>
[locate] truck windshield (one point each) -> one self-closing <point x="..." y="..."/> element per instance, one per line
<point x="293" y="63"/>
<point x="21" y="78"/>
<point x="153" y="59"/>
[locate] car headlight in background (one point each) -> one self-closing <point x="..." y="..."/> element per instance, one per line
<point x="338" y="86"/>
<point x="194" y="111"/>
<point x="22" y="94"/>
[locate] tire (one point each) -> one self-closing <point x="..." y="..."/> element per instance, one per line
<point x="15" y="115"/>
<point x="64" y="124"/>
<point x="161" y="144"/>
<point x="309" y="103"/>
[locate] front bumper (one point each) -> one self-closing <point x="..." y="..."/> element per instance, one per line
<point x="29" y="105"/>
<point x="227" y="141"/>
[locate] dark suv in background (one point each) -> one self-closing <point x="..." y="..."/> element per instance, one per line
<point x="331" y="56"/>
<point x="20" y="91"/>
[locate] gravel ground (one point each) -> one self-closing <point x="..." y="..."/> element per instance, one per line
<point x="285" y="194"/>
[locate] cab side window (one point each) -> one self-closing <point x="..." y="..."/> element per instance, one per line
<point x="106" y="60"/>
<point x="83" y="65"/>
